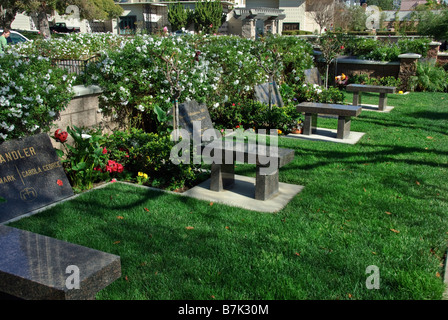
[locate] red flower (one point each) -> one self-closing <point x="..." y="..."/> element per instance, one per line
<point x="104" y="150"/>
<point x="60" y="136"/>
<point x="60" y="183"/>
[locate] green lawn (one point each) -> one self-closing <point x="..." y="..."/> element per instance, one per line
<point x="381" y="202"/>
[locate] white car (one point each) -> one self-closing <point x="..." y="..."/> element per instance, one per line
<point x="15" y="37"/>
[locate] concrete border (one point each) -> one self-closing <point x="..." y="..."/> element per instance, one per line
<point x="324" y="134"/>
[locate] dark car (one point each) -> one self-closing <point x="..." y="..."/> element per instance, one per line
<point x="61" y="27"/>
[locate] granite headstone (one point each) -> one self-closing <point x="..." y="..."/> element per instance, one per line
<point x="312" y="76"/>
<point x="262" y="94"/>
<point x="192" y="111"/>
<point x="31" y="176"/>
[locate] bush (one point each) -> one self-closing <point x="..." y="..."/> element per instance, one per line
<point x="251" y="114"/>
<point x="316" y="93"/>
<point x="32" y="94"/>
<point x="383" y="81"/>
<point x="295" y="32"/>
<point x="149" y="154"/>
<point x="86" y="161"/>
<point x="371" y="49"/>
<point x="429" y="77"/>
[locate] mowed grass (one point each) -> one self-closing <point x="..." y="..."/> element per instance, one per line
<point x="381" y="202"/>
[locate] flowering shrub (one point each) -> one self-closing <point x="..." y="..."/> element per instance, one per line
<point x="250" y="114"/>
<point x="147" y="159"/>
<point x="371" y="49"/>
<point x="77" y="46"/>
<point x="86" y="160"/>
<point x="152" y="71"/>
<point x="316" y="93"/>
<point x="32" y="93"/>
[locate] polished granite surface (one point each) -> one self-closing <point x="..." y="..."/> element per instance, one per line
<point x="33" y="266"/>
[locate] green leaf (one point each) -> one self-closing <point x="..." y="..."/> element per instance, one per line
<point x="161" y="115"/>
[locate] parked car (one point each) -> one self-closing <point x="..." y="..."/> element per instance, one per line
<point x="61" y="27"/>
<point x="15" y="37"/>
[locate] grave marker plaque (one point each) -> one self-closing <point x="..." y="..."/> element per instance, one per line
<point x="262" y="94"/>
<point x="31" y="176"/>
<point x="312" y="76"/>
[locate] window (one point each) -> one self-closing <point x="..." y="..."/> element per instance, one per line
<point x="291" y="26"/>
<point x="127" y="24"/>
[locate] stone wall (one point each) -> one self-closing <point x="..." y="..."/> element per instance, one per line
<point x="83" y="111"/>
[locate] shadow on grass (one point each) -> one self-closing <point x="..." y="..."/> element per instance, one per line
<point x="401" y="123"/>
<point x="430" y="115"/>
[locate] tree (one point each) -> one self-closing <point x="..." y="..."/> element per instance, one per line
<point x="322" y="12"/>
<point x="88" y="9"/>
<point x="433" y="24"/>
<point x="383" y="4"/>
<point x="177" y="16"/>
<point x="208" y="16"/>
<point x="331" y="45"/>
<point x="8" y="11"/>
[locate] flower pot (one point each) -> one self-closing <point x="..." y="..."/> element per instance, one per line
<point x="296" y="131"/>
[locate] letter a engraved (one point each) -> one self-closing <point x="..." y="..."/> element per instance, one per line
<point x="72" y="282"/>
<point x="373" y="281"/>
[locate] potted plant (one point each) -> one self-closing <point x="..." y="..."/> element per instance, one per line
<point x="298" y="128"/>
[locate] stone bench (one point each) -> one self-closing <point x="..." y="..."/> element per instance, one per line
<point x="357" y="89"/>
<point x="37" y="267"/>
<point x="222" y="172"/>
<point x="267" y="161"/>
<point x="344" y="113"/>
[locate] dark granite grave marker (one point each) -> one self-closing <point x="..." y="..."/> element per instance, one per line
<point x="192" y="111"/>
<point x="262" y="94"/>
<point x="312" y="76"/>
<point x="31" y="176"/>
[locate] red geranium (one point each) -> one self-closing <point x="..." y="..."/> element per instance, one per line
<point x="61" y="136"/>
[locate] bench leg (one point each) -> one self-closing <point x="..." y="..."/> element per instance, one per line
<point x="266" y="184"/>
<point x="383" y="102"/>
<point x="356" y="98"/>
<point x="310" y="123"/>
<point x="343" y="127"/>
<point x="222" y="177"/>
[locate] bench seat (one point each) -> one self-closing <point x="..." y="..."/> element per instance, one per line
<point x="34" y="267"/>
<point x="344" y="113"/>
<point x="267" y="165"/>
<point x="357" y="89"/>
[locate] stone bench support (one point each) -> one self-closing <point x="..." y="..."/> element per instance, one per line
<point x="267" y="170"/>
<point x="344" y="113"/>
<point x="357" y="89"/>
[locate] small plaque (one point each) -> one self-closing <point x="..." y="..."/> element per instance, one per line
<point x="191" y="114"/>
<point x="262" y="94"/>
<point x="312" y="76"/>
<point x="31" y="176"/>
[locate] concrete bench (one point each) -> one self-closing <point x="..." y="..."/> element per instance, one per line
<point x="344" y="113"/>
<point x="37" y="267"/>
<point x="267" y="163"/>
<point x="357" y="89"/>
<point x="222" y="172"/>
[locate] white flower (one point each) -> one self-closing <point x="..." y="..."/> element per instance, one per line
<point x="141" y="108"/>
<point x="86" y="136"/>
